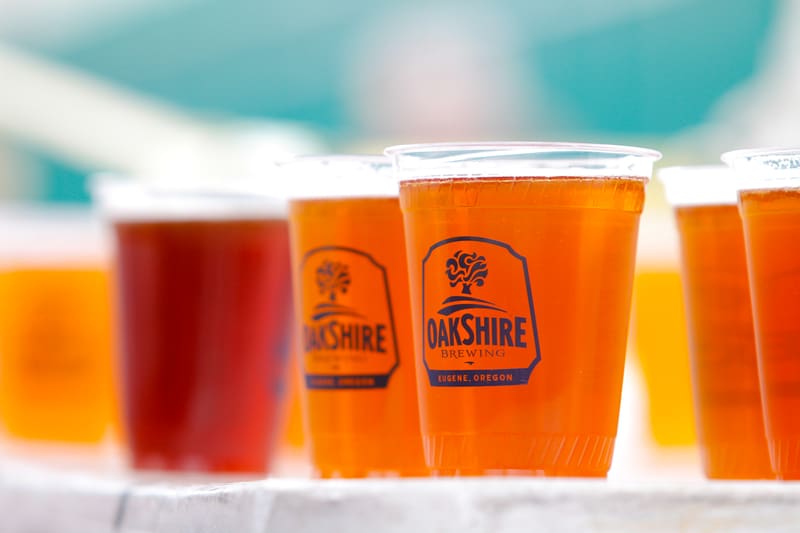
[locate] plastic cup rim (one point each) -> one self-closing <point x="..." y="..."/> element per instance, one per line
<point x="749" y="153"/>
<point x="533" y="148"/>
<point x="119" y="196"/>
<point x="338" y="177"/>
<point x="519" y="159"/>
<point x="699" y="185"/>
<point x="765" y="168"/>
<point x="709" y="171"/>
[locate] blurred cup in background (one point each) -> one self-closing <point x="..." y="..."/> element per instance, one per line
<point x="769" y="204"/>
<point x="55" y="326"/>
<point x="720" y="324"/>
<point x="658" y="331"/>
<point x="202" y="277"/>
<point x="520" y="258"/>
<point x="353" y="318"/>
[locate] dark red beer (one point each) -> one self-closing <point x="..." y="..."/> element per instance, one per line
<point x="203" y="309"/>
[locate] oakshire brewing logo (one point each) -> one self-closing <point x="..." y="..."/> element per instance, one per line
<point x="348" y="334"/>
<point x="479" y="325"/>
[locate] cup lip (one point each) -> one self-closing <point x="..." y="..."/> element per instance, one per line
<point x="338" y="177"/>
<point x="731" y="156"/>
<point x="120" y="197"/>
<point x="699" y="185"/>
<point x="766" y="168"/>
<point x="692" y="169"/>
<point x="36" y="235"/>
<point x="520" y="160"/>
<point x="531" y="147"/>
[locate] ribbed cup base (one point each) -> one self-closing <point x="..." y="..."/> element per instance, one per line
<point x="519" y="454"/>
<point x="725" y="460"/>
<point x="785" y="455"/>
<point x="358" y="456"/>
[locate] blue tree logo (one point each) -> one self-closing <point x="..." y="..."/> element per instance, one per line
<point x="333" y="277"/>
<point x="467" y="269"/>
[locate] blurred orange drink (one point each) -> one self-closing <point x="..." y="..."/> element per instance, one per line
<point x="658" y="322"/>
<point x="521" y="262"/>
<point x="661" y="345"/>
<point x="353" y="319"/>
<point x="55" y="329"/>
<point x="722" y="342"/>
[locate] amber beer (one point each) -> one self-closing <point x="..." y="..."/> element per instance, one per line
<point x="721" y="338"/>
<point x="55" y="327"/>
<point x="353" y="319"/>
<point x="772" y="226"/>
<point x="728" y="400"/>
<point x="521" y="263"/>
<point x="769" y="204"/>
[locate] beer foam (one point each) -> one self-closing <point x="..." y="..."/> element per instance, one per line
<point x="128" y="199"/>
<point x="42" y="236"/>
<point x="520" y="160"/>
<point x="340" y="176"/>
<point x="699" y="185"/>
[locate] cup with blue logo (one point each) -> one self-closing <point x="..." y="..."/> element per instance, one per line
<point x="353" y="317"/>
<point x="520" y="261"/>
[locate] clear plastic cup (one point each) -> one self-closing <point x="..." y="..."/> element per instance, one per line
<point x="55" y="325"/>
<point x="353" y="317"/>
<point x="202" y="278"/>
<point x="769" y="204"/>
<point x="722" y="345"/>
<point x="520" y="259"/>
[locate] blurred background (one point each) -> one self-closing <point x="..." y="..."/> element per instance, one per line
<point x="212" y="87"/>
<point x="356" y="75"/>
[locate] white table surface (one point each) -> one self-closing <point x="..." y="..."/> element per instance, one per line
<point x="37" y="499"/>
<point x="56" y="489"/>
